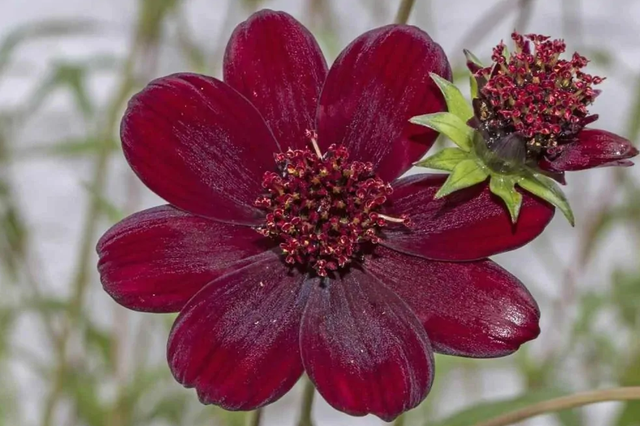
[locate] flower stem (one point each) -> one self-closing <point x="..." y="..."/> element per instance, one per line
<point x="256" y="417"/>
<point x="81" y="276"/>
<point x="404" y="11"/>
<point x="82" y="273"/>
<point x="563" y="403"/>
<point x="307" y="403"/>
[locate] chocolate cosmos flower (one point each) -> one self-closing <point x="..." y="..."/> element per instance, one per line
<point x="544" y="100"/>
<point x="290" y="243"/>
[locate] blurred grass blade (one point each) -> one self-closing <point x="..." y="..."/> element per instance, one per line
<point x="488" y="410"/>
<point x="113" y="213"/>
<point x="44" y="30"/>
<point x="67" y="148"/>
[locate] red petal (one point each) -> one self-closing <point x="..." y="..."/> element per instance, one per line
<point x="199" y="145"/>
<point x="157" y="259"/>
<point x="594" y="148"/>
<point x="474" y="309"/>
<point x="363" y="348"/>
<point x="466" y="225"/>
<point x="276" y="63"/>
<point x="377" y="83"/>
<point x="237" y="340"/>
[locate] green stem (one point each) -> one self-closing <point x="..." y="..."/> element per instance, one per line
<point x="256" y="417"/>
<point x="564" y="403"/>
<point x="307" y="403"/>
<point x="402" y="17"/>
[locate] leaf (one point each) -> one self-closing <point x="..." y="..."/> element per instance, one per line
<point x="456" y="103"/>
<point x="490" y="409"/>
<point x="548" y="190"/>
<point x="504" y="187"/>
<point x="450" y="125"/>
<point x="467" y="173"/>
<point x="446" y="159"/>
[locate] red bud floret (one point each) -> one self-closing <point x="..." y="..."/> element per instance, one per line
<point x="323" y="209"/>
<point x="535" y="93"/>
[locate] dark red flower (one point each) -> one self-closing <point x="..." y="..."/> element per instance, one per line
<point x="544" y="100"/>
<point x="290" y="244"/>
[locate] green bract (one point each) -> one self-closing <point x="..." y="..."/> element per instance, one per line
<point x="449" y="125"/>
<point x="473" y="83"/>
<point x="472" y="163"/>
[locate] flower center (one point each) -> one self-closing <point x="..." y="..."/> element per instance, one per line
<point x="323" y="209"/>
<point x="540" y="97"/>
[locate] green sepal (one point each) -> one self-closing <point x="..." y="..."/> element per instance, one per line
<point x="472" y="58"/>
<point x="473" y="83"/>
<point x="548" y="190"/>
<point x="504" y="187"/>
<point x="473" y="86"/>
<point x="446" y="159"/>
<point x="467" y="173"/>
<point x="456" y="103"/>
<point x="449" y="125"/>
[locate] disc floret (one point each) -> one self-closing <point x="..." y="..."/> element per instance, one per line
<point x="324" y="209"/>
<point x="535" y="94"/>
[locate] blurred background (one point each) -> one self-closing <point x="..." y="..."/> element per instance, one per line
<point x="70" y="356"/>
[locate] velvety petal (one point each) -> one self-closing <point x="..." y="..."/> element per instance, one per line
<point x="377" y="83"/>
<point x="474" y="309"/>
<point x="157" y="259"/>
<point x="363" y="348"/>
<point x="201" y="146"/>
<point x="469" y="224"/>
<point x="276" y="63"/>
<point x="593" y="148"/>
<point x="237" y="340"/>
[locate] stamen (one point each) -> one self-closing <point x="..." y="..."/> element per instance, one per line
<point x="323" y="210"/>
<point x="392" y="219"/>
<point x="313" y="137"/>
<point x="534" y="94"/>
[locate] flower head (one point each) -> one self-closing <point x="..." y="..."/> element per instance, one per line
<point x="533" y="105"/>
<point x="290" y="243"/>
<point x="323" y="208"/>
